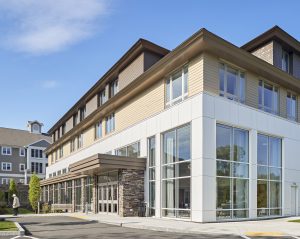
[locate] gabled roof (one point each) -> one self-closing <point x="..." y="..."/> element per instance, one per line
<point x="275" y="33"/>
<point x="41" y="143"/>
<point x="19" y="138"/>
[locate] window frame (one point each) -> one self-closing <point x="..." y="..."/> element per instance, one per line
<point x="290" y="117"/>
<point x="110" y="124"/>
<point x="169" y="83"/>
<point x="99" y="126"/>
<point x="20" y="166"/>
<point x="285" y="54"/>
<point x="113" y="88"/>
<point x="5" y="148"/>
<point x="20" y="150"/>
<point x="241" y="93"/>
<point x="6" y="180"/>
<point x="275" y="88"/>
<point x="126" y="148"/>
<point x="101" y="97"/>
<point x="6" y="163"/>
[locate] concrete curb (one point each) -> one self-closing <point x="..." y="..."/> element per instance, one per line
<point x="19" y="232"/>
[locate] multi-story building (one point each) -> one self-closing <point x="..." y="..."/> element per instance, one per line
<point x="22" y="153"/>
<point x="208" y="131"/>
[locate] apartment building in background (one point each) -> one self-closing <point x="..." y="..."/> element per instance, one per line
<point x="22" y="153"/>
<point x="205" y="132"/>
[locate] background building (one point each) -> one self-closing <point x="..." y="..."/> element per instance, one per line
<point x="22" y="153"/>
<point x="208" y="131"/>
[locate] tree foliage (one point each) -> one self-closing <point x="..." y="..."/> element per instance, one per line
<point x="34" y="191"/>
<point x="12" y="188"/>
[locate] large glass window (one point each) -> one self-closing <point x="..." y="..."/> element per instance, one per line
<point x="176" y="173"/>
<point x="62" y="187"/>
<point x="269" y="176"/>
<point x="98" y="130"/>
<point x="132" y="150"/>
<point x="69" y="195"/>
<point x="89" y="192"/>
<point x="291" y="106"/>
<point x="101" y="98"/>
<point x="231" y="83"/>
<point x="113" y="88"/>
<point x="78" y="191"/>
<point x="268" y="97"/>
<point x="55" y="198"/>
<point x="232" y="172"/>
<point x="110" y="123"/>
<point x="151" y="164"/>
<point x="176" y="87"/>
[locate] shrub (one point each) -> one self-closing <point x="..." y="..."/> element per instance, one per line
<point x="34" y="191"/>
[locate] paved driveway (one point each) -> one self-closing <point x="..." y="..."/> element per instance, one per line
<point x="67" y="227"/>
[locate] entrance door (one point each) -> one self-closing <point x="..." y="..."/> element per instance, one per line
<point x="294" y="201"/>
<point x="108" y="198"/>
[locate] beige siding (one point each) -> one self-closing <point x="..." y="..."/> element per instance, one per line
<point x="265" y="53"/>
<point x="131" y="72"/>
<point x="251" y="90"/>
<point x="282" y="102"/>
<point x="89" y="136"/>
<point x="69" y="124"/>
<point x="141" y="107"/>
<point x="66" y="149"/>
<point x="211" y="74"/>
<point x="195" y="82"/>
<point x="91" y="105"/>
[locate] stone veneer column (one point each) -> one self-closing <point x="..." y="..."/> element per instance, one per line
<point x="131" y="192"/>
<point x="94" y="198"/>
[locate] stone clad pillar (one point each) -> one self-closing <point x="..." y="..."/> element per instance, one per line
<point x="131" y="192"/>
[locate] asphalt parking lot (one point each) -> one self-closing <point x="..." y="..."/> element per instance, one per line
<point x="64" y="227"/>
<point x="68" y="227"/>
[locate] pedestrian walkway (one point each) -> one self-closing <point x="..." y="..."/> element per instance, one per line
<point x="247" y="229"/>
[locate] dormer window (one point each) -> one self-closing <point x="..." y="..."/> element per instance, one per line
<point x="75" y="117"/>
<point x="101" y="98"/>
<point x="82" y="113"/>
<point x="285" y="61"/>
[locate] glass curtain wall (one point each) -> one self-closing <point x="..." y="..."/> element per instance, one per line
<point x="269" y="176"/>
<point x="78" y="195"/>
<point x="89" y="192"/>
<point x="232" y="173"/>
<point x="151" y="164"/>
<point x="62" y="193"/>
<point x="176" y="173"/>
<point x="69" y="195"/>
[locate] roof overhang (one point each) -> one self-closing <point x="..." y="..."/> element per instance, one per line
<point x="202" y="41"/>
<point x="96" y="164"/>
<point x="277" y="34"/>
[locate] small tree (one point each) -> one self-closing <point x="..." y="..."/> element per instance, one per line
<point x="12" y="188"/>
<point x="34" y="191"/>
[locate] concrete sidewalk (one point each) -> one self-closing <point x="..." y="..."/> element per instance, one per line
<point x="274" y="227"/>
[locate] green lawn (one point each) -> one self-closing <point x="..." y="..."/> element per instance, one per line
<point x="298" y="220"/>
<point x="7" y="226"/>
<point x="6" y="211"/>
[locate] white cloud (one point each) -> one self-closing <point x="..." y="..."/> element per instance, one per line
<point x="49" y="84"/>
<point x="46" y="26"/>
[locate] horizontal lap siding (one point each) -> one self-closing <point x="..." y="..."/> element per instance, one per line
<point x="251" y="90"/>
<point x="211" y="74"/>
<point x="150" y="102"/>
<point x="195" y="83"/>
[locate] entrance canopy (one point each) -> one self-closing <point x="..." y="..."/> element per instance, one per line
<point x="98" y="163"/>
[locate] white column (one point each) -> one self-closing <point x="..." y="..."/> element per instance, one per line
<point x="158" y="175"/>
<point x="252" y="174"/>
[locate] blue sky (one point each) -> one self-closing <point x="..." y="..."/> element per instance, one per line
<point x="52" y="52"/>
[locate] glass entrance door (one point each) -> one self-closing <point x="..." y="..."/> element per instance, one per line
<point x="108" y="197"/>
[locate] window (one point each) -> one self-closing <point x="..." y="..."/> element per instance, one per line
<point x="6" y="166"/>
<point x="98" y="130"/>
<point x="63" y="129"/>
<point x="36" y="153"/>
<point x="176" y="173"/>
<point x="269" y="176"/>
<point x="177" y="87"/>
<point x="58" y="133"/>
<point x="113" y="88"/>
<point x="75" y="119"/>
<point x="80" y="141"/>
<point x="61" y="151"/>
<point x="232" y="83"/>
<point x="132" y="150"/>
<point x="101" y="98"/>
<point x="21" y="167"/>
<point x="110" y="123"/>
<point x="40" y="168"/>
<point x="268" y="97"/>
<point x="82" y="111"/>
<point x="6" y="150"/>
<point x="22" y="181"/>
<point x="5" y="181"/>
<point x="232" y="172"/>
<point x="22" y="152"/>
<point x="69" y="192"/>
<point x="151" y="165"/>
<point x="73" y="145"/>
<point x="285" y="61"/>
<point x="64" y="171"/>
<point x="291" y="106"/>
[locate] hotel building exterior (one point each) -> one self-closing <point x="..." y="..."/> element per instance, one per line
<point x="208" y="131"/>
